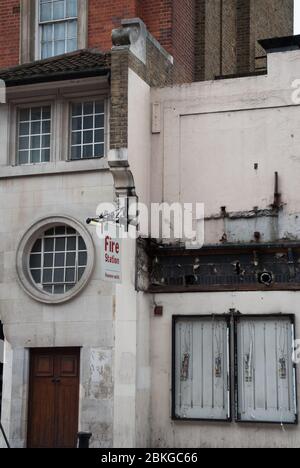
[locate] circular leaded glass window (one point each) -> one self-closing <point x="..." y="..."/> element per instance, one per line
<point x="55" y="259"/>
<point x="58" y="260"/>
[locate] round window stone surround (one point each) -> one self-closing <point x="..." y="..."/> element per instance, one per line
<point x="23" y="254"/>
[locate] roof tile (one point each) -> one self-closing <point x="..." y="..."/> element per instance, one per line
<point x="84" y="62"/>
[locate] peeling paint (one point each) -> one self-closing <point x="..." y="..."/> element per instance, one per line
<point x="100" y="382"/>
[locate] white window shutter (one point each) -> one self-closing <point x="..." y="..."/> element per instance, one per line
<point x="266" y="374"/>
<point x="201" y="369"/>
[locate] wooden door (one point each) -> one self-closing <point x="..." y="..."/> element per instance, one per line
<point x="53" y="398"/>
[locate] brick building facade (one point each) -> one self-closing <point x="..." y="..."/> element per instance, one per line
<point x="227" y="34"/>
<point x="205" y="37"/>
<point x="78" y="125"/>
<point x="86" y="122"/>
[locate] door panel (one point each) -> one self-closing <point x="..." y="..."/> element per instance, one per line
<point x="42" y="417"/>
<point x="67" y="406"/>
<point x="44" y="366"/>
<point x="68" y="366"/>
<point x="54" y="398"/>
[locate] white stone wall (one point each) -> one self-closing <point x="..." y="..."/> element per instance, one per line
<point x="86" y="321"/>
<point x="110" y="324"/>
<point x="132" y="317"/>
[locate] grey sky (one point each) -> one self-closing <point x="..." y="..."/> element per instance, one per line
<point x="297" y="16"/>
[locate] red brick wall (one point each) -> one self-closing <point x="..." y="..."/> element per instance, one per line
<point x="171" y="22"/>
<point x="105" y="15"/>
<point x="157" y="14"/>
<point x="243" y="35"/>
<point x="175" y="24"/>
<point x="183" y="40"/>
<point x="9" y="32"/>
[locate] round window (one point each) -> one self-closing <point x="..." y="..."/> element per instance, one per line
<point x="55" y="260"/>
<point x="58" y="260"/>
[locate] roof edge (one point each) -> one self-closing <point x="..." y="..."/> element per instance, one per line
<point x="82" y="63"/>
<point x="76" y="53"/>
<point x="280" y="44"/>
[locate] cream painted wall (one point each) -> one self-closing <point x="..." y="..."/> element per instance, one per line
<point x="132" y="313"/>
<point x="218" y="152"/>
<point x="131" y="358"/>
<point x="139" y="134"/>
<point x="212" y="135"/>
<point x="168" y="433"/>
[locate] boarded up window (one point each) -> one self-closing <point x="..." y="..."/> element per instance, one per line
<point x="266" y="374"/>
<point x="201" y="369"/>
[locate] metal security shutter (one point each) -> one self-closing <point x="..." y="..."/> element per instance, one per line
<point x="266" y="374"/>
<point x="201" y="369"/>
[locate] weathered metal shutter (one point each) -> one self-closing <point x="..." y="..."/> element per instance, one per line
<point x="201" y="369"/>
<point x="266" y="374"/>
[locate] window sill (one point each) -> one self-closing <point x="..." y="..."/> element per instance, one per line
<point x="61" y="167"/>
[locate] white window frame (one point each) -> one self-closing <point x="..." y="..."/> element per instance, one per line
<point x="84" y="99"/>
<point x="52" y="23"/>
<point x="29" y="37"/>
<point x="29" y="106"/>
<point x="60" y="100"/>
<point x="64" y="268"/>
<point x="15" y="107"/>
<point x="24" y="249"/>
